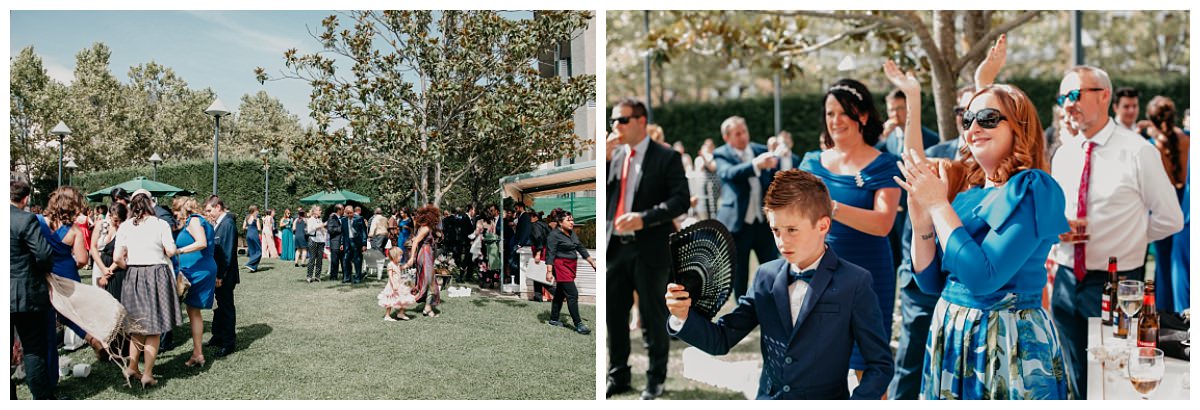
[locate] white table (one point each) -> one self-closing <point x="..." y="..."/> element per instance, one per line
<point x="1108" y="383"/>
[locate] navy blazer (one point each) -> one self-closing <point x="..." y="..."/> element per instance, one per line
<point x="334" y="227"/>
<point x="522" y="232"/>
<point x="225" y="239"/>
<point x="810" y="358"/>
<point x="360" y="231"/>
<point x="29" y="259"/>
<point x="735" y="183"/>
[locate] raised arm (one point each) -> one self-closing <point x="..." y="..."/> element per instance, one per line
<point x="987" y="71"/>
<point x="908" y="83"/>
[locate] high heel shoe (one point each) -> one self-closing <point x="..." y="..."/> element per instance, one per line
<point x="194" y="362"/>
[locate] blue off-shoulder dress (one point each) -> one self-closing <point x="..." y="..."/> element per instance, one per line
<point x="200" y="268"/>
<point x="870" y="252"/>
<point x="989" y="337"/>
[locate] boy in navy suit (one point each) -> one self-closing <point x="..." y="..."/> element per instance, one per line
<point x="811" y="305"/>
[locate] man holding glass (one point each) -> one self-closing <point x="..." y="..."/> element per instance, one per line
<point x="1119" y="199"/>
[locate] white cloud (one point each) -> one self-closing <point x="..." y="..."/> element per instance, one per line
<point x="57" y="70"/>
<point x="229" y="30"/>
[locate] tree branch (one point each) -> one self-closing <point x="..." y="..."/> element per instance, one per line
<point x="984" y="43"/>
<point x="842" y="16"/>
<point x="830" y="41"/>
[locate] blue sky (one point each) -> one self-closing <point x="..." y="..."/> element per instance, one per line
<point x="217" y="49"/>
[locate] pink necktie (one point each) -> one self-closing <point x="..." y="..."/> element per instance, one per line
<point x="1081" y="211"/>
<point x="624" y="174"/>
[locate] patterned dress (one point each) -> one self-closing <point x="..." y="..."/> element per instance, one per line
<point x="989" y="337"/>
<point x="426" y="277"/>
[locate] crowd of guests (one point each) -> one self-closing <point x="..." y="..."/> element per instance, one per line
<point x="978" y="232"/>
<point x="144" y="256"/>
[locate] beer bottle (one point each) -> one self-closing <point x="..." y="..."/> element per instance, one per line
<point x="1108" y="299"/>
<point x="1148" y="323"/>
<point x="1120" y="319"/>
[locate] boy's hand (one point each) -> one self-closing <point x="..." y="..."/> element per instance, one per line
<point x="678" y="301"/>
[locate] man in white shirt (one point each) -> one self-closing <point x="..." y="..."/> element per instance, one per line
<point x="746" y="170"/>
<point x="1127" y="202"/>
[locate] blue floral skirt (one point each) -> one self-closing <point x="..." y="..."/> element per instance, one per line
<point x="1004" y="348"/>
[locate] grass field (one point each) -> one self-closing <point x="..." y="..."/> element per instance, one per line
<point x="327" y="340"/>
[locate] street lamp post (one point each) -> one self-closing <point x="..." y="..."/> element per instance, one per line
<point x="61" y="130"/>
<point x="71" y="171"/>
<point x="217" y="110"/>
<point x="266" y="178"/>
<point x="155" y="159"/>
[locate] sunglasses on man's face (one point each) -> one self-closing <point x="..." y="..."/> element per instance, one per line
<point x="988" y="118"/>
<point x="1073" y="95"/>
<point x="625" y="120"/>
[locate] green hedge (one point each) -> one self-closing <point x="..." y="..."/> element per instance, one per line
<point x="240" y="182"/>
<point x="692" y="122"/>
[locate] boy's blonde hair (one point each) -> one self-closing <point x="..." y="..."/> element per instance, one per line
<point x="395" y="253"/>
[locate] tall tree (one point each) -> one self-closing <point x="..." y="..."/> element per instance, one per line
<point x="426" y="88"/>
<point x="163" y="117"/>
<point x="945" y="45"/>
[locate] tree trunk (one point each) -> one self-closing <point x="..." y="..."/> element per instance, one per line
<point x="945" y="82"/>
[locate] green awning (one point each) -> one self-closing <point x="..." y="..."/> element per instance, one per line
<point x="157" y="189"/>
<point x="583" y="208"/>
<point x="340" y="196"/>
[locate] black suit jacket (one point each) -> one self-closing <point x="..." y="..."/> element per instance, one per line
<point x="225" y="238"/>
<point x="521" y="235"/>
<point x="29" y="261"/>
<point x="334" y="227"/>
<point x="661" y="195"/>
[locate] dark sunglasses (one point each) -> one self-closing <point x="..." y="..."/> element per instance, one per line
<point x="625" y="120"/>
<point x="988" y="118"/>
<point x="1073" y="95"/>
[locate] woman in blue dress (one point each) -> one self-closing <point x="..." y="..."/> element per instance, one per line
<point x="194" y="247"/>
<point x="287" y="246"/>
<point x="405" y="231"/>
<point x="253" y="242"/>
<point x="865" y="197"/>
<point x="68" y="253"/>
<point x="983" y="247"/>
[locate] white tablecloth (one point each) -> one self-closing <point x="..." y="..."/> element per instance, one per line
<point x="1108" y="383"/>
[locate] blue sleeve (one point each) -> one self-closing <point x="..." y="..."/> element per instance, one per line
<point x="878" y="175"/>
<point x="1025" y="213"/>
<point x="730" y="169"/>
<point x="866" y="323"/>
<point x="717" y="338"/>
<point x="931" y="280"/>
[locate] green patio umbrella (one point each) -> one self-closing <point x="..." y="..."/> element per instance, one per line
<point x="156" y="188"/>
<point x="340" y="196"/>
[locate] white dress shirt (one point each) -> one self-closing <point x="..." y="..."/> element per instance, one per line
<point x="797" y="291"/>
<point x="754" y="208"/>
<point x="1131" y="202"/>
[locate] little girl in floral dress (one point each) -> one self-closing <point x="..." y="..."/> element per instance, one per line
<point x="397" y="294"/>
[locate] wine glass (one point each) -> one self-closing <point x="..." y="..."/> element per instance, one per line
<point x="1129" y="296"/>
<point x="1146" y="367"/>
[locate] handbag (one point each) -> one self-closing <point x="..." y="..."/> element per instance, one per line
<point x="182" y="284"/>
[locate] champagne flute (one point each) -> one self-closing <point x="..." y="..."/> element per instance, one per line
<point x="1146" y="368"/>
<point x="1129" y="298"/>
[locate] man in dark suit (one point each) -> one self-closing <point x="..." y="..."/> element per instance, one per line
<point x="802" y="358"/>
<point x="647" y="189"/>
<point x="746" y="170"/>
<point x="357" y="229"/>
<point x="29" y="292"/>
<point x="521" y="237"/>
<point x="337" y="241"/>
<point x="225" y="236"/>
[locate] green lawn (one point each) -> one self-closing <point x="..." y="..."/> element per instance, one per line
<point x="298" y="340"/>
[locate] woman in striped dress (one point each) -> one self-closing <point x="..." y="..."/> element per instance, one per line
<point x="144" y="249"/>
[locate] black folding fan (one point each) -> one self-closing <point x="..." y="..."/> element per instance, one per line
<point x="703" y="264"/>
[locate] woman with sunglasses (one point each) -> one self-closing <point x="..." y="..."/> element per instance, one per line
<point x="865" y="196"/>
<point x="982" y="247"/>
